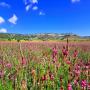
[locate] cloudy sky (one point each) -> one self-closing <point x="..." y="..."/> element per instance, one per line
<point x="45" y="16"/>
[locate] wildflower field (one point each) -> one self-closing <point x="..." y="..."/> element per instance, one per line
<point x="45" y="65"/>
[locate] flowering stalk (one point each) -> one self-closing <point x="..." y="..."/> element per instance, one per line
<point x="83" y="84"/>
<point x="64" y="51"/>
<point x="75" y="54"/>
<point x="69" y="86"/>
<point x="54" y="54"/>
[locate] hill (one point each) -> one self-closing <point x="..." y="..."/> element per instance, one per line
<point x="44" y="36"/>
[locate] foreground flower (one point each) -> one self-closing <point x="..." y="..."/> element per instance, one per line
<point x="77" y="70"/>
<point x="75" y="82"/>
<point x="8" y="65"/>
<point x="83" y="83"/>
<point x="64" y="51"/>
<point x="88" y="86"/>
<point x="44" y="78"/>
<point x="54" y="59"/>
<point x="69" y="87"/>
<point x="75" y="54"/>
<point x="51" y="76"/>
<point x="68" y="62"/>
<point x="1" y="74"/>
<point x="61" y="88"/>
<point x="54" y="54"/>
<point x="23" y="61"/>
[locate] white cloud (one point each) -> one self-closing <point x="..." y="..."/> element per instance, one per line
<point x="41" y="13"/>
<point x="74" y="1"/>
<point x="28" y="7"/>
<point x="30" y="2"/>
<point x="13" y="19"/>
<point x="1" y="20"/>
<point x="25" y="2"/>
<point x="3" y="4"/>
<point x="34" y="1"/>
<point x="3" y="30"/>
<point x="35" y="8"/>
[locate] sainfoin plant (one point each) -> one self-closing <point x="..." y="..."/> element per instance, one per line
<point x="44" y="66"/>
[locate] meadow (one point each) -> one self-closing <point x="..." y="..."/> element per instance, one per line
<point x="44" y="65"/>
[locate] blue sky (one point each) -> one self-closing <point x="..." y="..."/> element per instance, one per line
<point x="45" y="16"/>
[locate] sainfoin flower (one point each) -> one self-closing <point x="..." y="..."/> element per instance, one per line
<point x="8" y="65"/>
<point x="75" y="82"/>
<point x="83" y="83"/>
<point x="75" y="54"/>
<point x="43" y="78"/>
<point x="64" y="51"/>
<point x="54" y="59"/>
<point x="51" y="76"/>
<point x="1" y="74"/>
<point x="68" y="62"/>
<point x="77" y="70"/>
<point x="23" y="61"/>
<point x="54" y="54"/>
<point x="69" y="87"/>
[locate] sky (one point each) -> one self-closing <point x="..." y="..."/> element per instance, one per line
<point x="45" y="16"/>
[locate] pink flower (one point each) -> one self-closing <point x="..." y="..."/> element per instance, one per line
<point x="54" y="59"/>
<point x="64" y="51"/>
<point x="1" y="62"/>
<point x="23" y="61"/>
<point x="75" y="82"/>
<point x="86" y="65"/>
<point x="8" y="65"/>
<point x="77" y="70"/>
<point x="54" y="52"/>
<point x="75" y="54"/>
<point x="1" y="74"/>
<point x="44" y="78"/>
<point x="68" y="62"/>
<point x="83" y="83"/>
<point x="88" y="85"/>
<point x="51" y="76"/>
<point x="69" y="87"/>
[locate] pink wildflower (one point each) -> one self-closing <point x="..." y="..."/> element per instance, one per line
<point x="54" y="52"/>
<point x="83" y="83"/>
<point x="75" y="82"/>
<point x="51" y="76"/>
<point x="75" y="54"/>
<point x="54" y="59"/>
<point x="77" y="70"/>
<point x="69" y="87"/>
<point x="8" y="65"/>
<point x="68" y="62"/>
<point x="44" y="78"/>
<point x="1" y="74"/>
<point x="64" y="51"/>
<point x="23" y="61"/>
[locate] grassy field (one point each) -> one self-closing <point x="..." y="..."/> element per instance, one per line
<point x="45" y="65"/>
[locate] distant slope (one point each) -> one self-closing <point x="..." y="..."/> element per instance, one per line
<point x="44" y="36"/>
